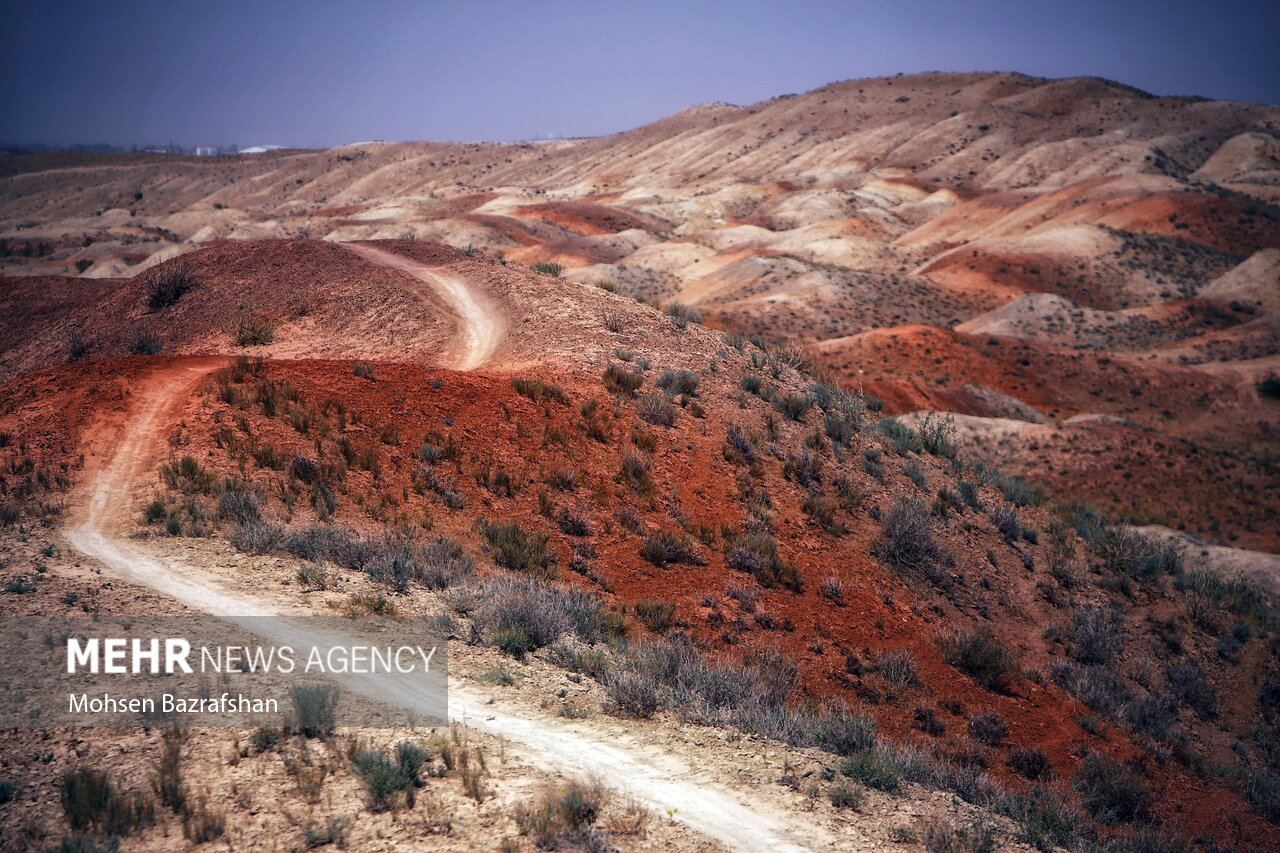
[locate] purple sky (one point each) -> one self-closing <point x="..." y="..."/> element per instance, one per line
<point x="324" y="73"/>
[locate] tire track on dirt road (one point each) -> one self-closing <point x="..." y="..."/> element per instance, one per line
<point x="481" y="327"/>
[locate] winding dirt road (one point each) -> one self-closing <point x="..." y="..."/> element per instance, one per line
<point x="665" y="782"/>
<point x="480" y="325"/>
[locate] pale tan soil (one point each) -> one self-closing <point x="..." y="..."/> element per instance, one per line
<point x="266" y="807"/>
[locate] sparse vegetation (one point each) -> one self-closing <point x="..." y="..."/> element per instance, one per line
<point x="908" y="544"/>
<point x="656" y="614"/>
<point x="665" y="548"/>
<point x="682" y="315"/>
<point x="757" y="554"/>
<point x="1110" y="791"/>
<point x="253" y="329"/>
<point x="514" y="547"/>
<point x="540" y="391"/>
<point x="565" y="815"/>
<point x="315" y="707"/>
<point x="982" y="656"/>
<point x="146" y="342"/>
<point x="92" y="801"/>
<point x="656" y="409"/>
<point x="622" y="380"/>
<point x="167" y="286"/>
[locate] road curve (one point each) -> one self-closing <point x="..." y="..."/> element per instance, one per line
<point x="480" y="324"/>
<point x="663" y="781"/>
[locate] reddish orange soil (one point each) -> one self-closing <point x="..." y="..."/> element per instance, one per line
<point x="590" y="218"/>
<point x="500" y="431"/>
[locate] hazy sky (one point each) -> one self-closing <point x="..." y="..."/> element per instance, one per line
<point x="323" y="72"/>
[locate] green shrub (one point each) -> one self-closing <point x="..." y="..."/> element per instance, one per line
<point x="874" y="768"/>
<point x="656" y="614"/>
<point x="1030" y="764"/>
<point x="793" y="406"/>
<point x="202" y="824"/>
<point x="519" y="613"/>
<point x="908" y="543"/>
<point x="564" y="816"/>
<point x="899" y="668"/>
<point x="79" y="345"/>
<point x="155" y="511"/>
<point x="622" y="381"/>
<point x="551" y="269"/>
<point x="91" y="801"/>
<point x="513" y="640"/>
<point x="989" y="729"/>
<point x="236" y="504"/>
<point x="634" y="472"/>
<point x="1188" y="683"/>
<point x="21" y="585"/>
<point x="539" y="390"/>
<point x="522" y="550"/>
<point x="316" y="834"/>
<point x="572" y="523"/>
<point x="664" y="548"/>
<point x="254" y="329"/>
<point x="384" y="779"/>
<point x="847" y="797"/>
<point x="316" y="707"/>
<point x="188" y="476"/>
<point x="757" y="554"/>
<point x="656" y="409"/>
<point x="937" y="433"/>
<point x="902" y="438"/>
<point x="679" y="382"/>
<point x="1263" y="793"/>
<point x="982" y="656"/>
<point x="979" y="836"/>
<point x="822" y="510"/>
<point x="632" y="692"/>
<point x="1097" y="635"/>
<point x="498" y="675"/>
<point x="265" y="738"/>
<point x="682" y="315"/>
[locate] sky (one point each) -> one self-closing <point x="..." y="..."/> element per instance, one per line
<point x="321" y="72"/>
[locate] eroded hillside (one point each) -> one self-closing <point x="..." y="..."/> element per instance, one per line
<point x="1075" y="214"/>
<point x="861" y="425"/>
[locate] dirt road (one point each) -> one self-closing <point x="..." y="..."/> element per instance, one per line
<point x="666" y="783"/>
<point x="480" y="324"/>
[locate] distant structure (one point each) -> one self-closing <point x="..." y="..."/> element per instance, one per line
<point x="207" y="151"/>
<point x="162" y="149"/>
<point x="260" y="149"/>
